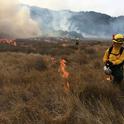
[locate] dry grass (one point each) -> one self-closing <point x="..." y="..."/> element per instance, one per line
<point x="31" y="88"/>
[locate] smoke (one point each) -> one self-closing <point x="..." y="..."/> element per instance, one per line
<point x="61" y="21"/>
<point x="15" y="20"/>
<point x="66" y="23"/>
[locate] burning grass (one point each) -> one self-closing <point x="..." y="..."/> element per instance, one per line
<point x="32" y="89"/>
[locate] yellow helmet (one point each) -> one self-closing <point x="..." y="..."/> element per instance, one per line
<point x="118" y="38"/>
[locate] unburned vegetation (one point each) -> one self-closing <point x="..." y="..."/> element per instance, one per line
<point x="32" y="92"/>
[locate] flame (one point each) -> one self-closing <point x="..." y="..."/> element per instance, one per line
<point x="65" y="74"/>
<point x="53" y="60"/>
<point x="8" y="41"/>
<point x="109" y="78"/>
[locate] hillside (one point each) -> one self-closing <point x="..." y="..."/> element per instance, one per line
<point x="87" y="24"/>
<point x="32" y="92"/>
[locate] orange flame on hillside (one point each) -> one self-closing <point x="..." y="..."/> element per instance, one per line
<point x="65" y="74"/>
<point x="8" y="41"/>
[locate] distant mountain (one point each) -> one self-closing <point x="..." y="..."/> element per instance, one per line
<point x="78" y="24"/>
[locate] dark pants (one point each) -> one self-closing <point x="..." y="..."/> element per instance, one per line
<point x="117" y="73"/>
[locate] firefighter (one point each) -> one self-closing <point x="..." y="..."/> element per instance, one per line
<point x="77" y="43"/>
<point x="114" y="59"/>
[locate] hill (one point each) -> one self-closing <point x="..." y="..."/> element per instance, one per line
<point x="87" y="24"/>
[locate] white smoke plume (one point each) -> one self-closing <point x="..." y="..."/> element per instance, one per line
<point x="15" y="20"/>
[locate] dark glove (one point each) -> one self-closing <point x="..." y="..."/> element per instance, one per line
<point x="109" y="64"/>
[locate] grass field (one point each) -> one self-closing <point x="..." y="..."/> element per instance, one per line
<point x="31" y="88"/>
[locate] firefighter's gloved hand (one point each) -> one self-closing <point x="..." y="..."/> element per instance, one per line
<point x="109" y="64"/>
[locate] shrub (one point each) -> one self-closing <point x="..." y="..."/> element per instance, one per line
<point x="40" y="65"/>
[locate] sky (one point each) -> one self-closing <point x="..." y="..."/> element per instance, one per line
<point x="110" y="7"/>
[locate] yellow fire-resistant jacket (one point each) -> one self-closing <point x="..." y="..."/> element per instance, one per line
<point x="115" y="59"/>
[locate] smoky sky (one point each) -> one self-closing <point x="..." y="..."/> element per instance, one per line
<point x="15" y="20"/>
<point x="110" y="7"/>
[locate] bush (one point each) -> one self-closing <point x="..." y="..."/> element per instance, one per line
<point x="40" y="65"/>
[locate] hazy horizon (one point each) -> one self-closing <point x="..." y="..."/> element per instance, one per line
<point x="23" y="21"/>
<point x="110" y="7"/>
